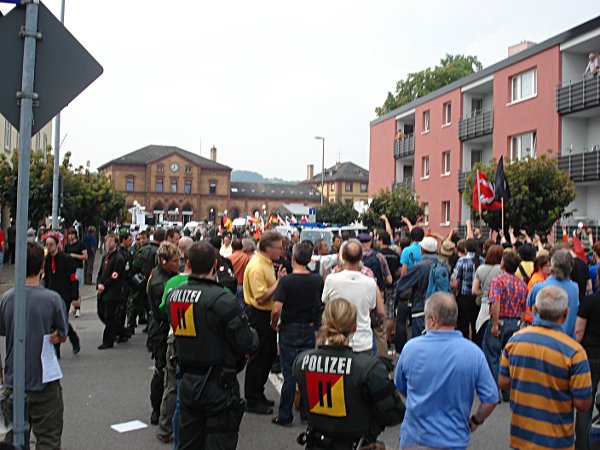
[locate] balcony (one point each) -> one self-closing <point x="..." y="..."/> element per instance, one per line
<point x="406" y="182"/>
<point x="405" y="146"/>
<point x="479" y="124"/>
<point x="578" y="96"/>
<point x="581" y="166"/>
<point x="462" y="178"/>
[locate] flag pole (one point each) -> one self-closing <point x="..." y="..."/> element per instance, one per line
<point x="502" y="200"/>
<point x="479" y="200"/>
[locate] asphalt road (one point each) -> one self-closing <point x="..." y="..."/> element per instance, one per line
<point x="102" y="388"/>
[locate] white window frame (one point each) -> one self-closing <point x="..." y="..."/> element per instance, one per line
<point x="446" y="163"/>
<point x="425" y="169"/>
<point x="516" y="146"/>
<point x="447" y="113"/>
<point x="425" y="213"/>
<point x="516" y="83"/>
<point x="445" y="213"/>
<point x="426" y="121"/>
<point x="7" y="130"/>
<point x="346" y="186"/>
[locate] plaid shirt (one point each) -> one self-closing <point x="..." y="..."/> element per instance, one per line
<point x="465" y="272"/>
<point x="511" y="292"/>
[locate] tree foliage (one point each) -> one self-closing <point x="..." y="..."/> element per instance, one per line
<point x="402" y="201"/>
<point x="337" y="213"/>
<point x="87" y="197"/>
<point x="539" y="190"/>
<point x="418" y="84"/>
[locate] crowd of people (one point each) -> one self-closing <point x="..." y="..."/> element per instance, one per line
<point x="511" y="318"/>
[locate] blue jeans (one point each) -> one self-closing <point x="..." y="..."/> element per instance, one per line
<point x="492" y="346"/>
<point x="293" y="339"/>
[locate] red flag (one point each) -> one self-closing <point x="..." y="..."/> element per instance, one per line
<point x="485" y="194"/>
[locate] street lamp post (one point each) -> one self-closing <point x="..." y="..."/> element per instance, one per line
<point x="322" y="167"/>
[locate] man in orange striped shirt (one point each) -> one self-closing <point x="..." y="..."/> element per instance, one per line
<point x="548" y="375"/>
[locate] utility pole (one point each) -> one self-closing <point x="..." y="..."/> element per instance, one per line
<point x="56" y="172"/>
<point x="319" y="138"/>
<point x="27" y="96"/>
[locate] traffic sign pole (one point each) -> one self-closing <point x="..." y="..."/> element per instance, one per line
<point x="56" y="150"/>
<point x="26" y="96"/>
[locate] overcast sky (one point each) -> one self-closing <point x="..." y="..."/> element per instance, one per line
<point x="260" y="79"/>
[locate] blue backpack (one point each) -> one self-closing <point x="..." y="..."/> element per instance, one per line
<point x="373" y="263"/>
<point x="439" y="279"/>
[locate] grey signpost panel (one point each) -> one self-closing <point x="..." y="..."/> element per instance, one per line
<point x="45" y="68"/>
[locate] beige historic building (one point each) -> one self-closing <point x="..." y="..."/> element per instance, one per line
<point x="178" y="185"/>
<point x="345" y="182"/>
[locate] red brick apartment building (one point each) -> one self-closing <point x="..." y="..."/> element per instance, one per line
<point x="532" y="102"/>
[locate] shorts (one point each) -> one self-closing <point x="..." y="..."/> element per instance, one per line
<point x="389" y="298"/>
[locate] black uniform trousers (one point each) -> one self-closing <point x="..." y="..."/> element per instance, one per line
<point x="107" y="312"/>
<point x="207" y="418"/>
<point x="259" y="365"/>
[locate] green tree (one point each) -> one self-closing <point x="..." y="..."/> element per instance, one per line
<point x="418" y="84"/>
<point x="395" y="204"/>
<point x="337" y="213"/>
<point x="539" y="190"/>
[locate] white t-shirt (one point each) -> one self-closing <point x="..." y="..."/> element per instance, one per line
<point x="226" y="250"/>
<point x="359" y="290"/>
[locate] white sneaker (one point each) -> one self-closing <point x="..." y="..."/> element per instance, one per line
<point x="77" y="313"/>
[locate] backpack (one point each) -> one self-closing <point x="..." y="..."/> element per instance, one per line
<point x="439" y="279"/>
<point x="225" y="275"/>
<point x="373" y="263"/>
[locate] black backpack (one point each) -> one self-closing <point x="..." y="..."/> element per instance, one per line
<point x="372" y="262"/>
<point x="225" y="275"/>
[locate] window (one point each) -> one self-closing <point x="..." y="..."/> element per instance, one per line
<point x="426" y="213"/>
<point x="447" y="113"/>
<point x="523" y="146"/>
<point x="446" y="163"/>
<point x="363" y="187"/>
<point x="7" y="129"/>
<point x="425" y="162"/>
<point x="188" y="169"/>
<point x="37" y="142"/>
<point x="187" y="188"/>
<point x="476" y="157"/>
<point x="524" y="85"/>
<point x="45" y="147"/>
<point x="349" y="187"/>
<point x="173" y="185"/>
<point x="476" y="106"/>
<point x="332" y="186"/>
<point x="212" y="187"/>
<point x="129" y="184"/>
<point x="160" y="168"/>
<point x="425" y="121"/>
<point x="445" y="213"/>
<point x="158" y="186"/>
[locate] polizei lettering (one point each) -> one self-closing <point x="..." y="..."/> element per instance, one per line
<point x="327" y="364"/>
<point x="185" y="296"/>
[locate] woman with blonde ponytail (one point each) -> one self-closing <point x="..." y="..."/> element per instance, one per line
<point x="348" y="398"/>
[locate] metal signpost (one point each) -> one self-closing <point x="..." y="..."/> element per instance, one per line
<point x="64" y="69"/>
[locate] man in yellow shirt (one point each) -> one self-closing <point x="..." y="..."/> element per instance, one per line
<point x="260" y="283"/>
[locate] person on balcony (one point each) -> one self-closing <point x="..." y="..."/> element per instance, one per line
<point x="593" y="67"/>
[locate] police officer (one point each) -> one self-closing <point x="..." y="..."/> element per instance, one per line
<point x="110" y="290"/>
<point x="348" y="397"/>
<point x="213" y="339"/>
<point x="158" y="327"/>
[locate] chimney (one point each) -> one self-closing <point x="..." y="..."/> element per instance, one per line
<point x="213" y="154"/>
<point x="517" y="48"/>
<point x="310" y="171"/>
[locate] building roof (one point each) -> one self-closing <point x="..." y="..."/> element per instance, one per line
<point x="296" y="209"/>
<point x="273" y="190"/>
<point x="548" y="43"/>
<point x="152" y="153"/>
<point x="346" y="171"/>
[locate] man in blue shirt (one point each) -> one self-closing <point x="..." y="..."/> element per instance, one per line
<point x="412" y="254"/>
<point x="439" y="374"/>
<point x="562" y="264"/>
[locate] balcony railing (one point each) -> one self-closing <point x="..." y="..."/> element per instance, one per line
<point x="479" y="124"/>
<point x="405" y="146"/>
<point x="579" y="95"/>
<point x="581" y="166"/>
<point x="406" y="182"/>
<point x="462" y="178"/>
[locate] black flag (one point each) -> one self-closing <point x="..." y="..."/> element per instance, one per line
<point x="501" y="188"/>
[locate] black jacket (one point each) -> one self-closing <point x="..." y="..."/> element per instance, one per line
<point x="112" y="276"/>
<point x="63" y="278"/>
